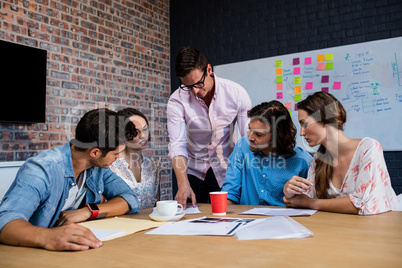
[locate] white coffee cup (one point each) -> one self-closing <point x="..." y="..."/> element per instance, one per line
<point x="168" y="208"/>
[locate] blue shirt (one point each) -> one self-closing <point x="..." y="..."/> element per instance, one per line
<point x="42" y="184"/>
<point x="255" y="179"/>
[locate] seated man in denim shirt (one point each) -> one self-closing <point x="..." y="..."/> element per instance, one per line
<point x="263" y="162"/>
<point x="62" y="186"/>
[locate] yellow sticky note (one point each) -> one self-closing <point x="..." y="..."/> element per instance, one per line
<point x="297" y="89"/>
<point x="320" y="57"/>
<point x="278" y="71"/>
<point x="329" y="56"/>
<point x="297" y="80"/>
<point x="278" y="63"/>
<point x="279" y="79"/>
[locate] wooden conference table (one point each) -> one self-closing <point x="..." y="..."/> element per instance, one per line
<point x="339" y="240"/>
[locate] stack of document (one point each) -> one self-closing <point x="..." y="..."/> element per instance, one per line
<point x="278" y="227"/>
<point x="202" y="226"/>
<point x="280" y="212"/>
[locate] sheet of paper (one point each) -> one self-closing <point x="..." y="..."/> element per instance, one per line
<point x="280" y="212"/>
<point x="279" y="227"/>
<point x="192" y="210"/>
<point x="202" y="226"/>
<point x="106" y="234"/>
<point x="126" y="225"/>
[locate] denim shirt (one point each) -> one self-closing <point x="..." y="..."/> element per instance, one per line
<point x="42" y="184"/>
<point x="255" y="179"/>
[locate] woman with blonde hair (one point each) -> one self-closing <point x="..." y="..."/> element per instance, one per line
<point x="346" y="175"/>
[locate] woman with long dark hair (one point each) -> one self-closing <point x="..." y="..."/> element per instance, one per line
<point x="140" y="171"/>
<point x="346" y="175"/>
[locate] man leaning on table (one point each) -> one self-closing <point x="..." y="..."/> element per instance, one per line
<point x="62" y="186"/>
<point x="202" y="114"/>
<point x="263" y="162"/>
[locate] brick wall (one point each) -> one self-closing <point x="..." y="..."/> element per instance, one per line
<point x="102" y="53"/>
<point x="236" y="30"/>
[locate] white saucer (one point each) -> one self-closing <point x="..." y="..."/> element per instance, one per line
<point x="156" y="217"/>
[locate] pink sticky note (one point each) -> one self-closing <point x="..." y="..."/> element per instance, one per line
<point x="309" y="85"/>
<point x="279" y="86"/>
<point x="307" y="61"/>
<point x="295" y="106"/>
<point x="321" y="66"/>
<point x="337" y="85"/>
<point x="279" y="95"/>
<point x="288" y="105"/>
<point x="325" y="89"/>
<point x="296" y="70"/>
<point x="296" y="61"/>
<point x="324" y="79"/>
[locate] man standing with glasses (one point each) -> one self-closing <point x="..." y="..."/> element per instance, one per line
<point x="202" y="114"/>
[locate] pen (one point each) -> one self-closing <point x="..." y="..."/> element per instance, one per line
<point x="234" y="228"/>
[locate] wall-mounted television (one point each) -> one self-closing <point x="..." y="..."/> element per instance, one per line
<point x="23" y="83"/>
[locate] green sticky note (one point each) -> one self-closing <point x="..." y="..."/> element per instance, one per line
<point x="278" y="63"/>
<point x="297" y="80"/>
<point x="329" y="56"/>
<point x="279" y="79"/>
<point x="329" y="66"/>
<point x="298" y="97"/>
<point x="290" y="112"/>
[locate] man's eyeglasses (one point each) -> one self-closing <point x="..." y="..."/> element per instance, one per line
<point x="199" y="84"/>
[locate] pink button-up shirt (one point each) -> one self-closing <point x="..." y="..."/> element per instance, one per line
<point x="206" y="135"/>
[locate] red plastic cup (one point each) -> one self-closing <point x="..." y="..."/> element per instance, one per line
<point x="219" y="202"/>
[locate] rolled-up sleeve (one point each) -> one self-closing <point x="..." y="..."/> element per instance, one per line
<point x="177" y="129"/>
<point x="115" y="186"/>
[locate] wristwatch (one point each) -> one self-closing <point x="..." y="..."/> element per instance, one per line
<point x="94" y="210"/>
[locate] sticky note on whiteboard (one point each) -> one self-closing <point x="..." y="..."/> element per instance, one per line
<point x="337" y="85"/>
<point x="307" y="61"/>
<point x="324" y="79"/>
<point x="278" y="63"/>
<point x="279" y="86"/>
<point x="296" y="70"/>
<point x="288" y="105"/>
<point x="279" y="95"/>
<point x="329" y="56"/>
<point x="320" y="57"/>
<point x="278" y="71"/>
<point x="279" y="79"/>
<point x="309" y="85"/>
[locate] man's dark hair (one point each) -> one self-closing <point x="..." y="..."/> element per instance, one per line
<point x="189" y="59"/>
<point x="283" y="131"/>
<point x="101" y="128"/>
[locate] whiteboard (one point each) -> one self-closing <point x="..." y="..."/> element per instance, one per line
<point x="365" y="77"/>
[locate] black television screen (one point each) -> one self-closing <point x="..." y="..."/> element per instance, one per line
<point x="23" y="83"/>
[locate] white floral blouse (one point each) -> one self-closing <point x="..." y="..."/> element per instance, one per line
<point x="147" y="189"/>
<point x="367" y="182"/>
